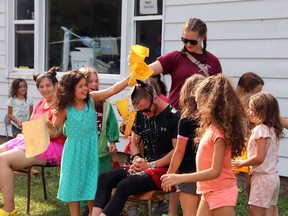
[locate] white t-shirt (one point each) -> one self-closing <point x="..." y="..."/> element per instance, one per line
<point x="21" y="109"/>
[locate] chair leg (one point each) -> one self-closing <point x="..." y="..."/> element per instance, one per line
<point x="149" y="207"/>
<point x="44" y="182"/>
<point x="28" y="189"/>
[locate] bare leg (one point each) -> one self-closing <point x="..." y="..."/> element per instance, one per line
<point x="90" y="205"/>
<point x="189" y="204"/>
<point x="96" y="211"/>
<point x="74" y="208"/>
<point x="275" y="211"/>
<point x="257" y="211"/>
<point x="173" y="204"/>
<point x="226" y="210"/>
<point x="203" y="209"/>
<point x="2" y="148"/>
<point x="271" y="211"/>
<point x="9" y="161"/>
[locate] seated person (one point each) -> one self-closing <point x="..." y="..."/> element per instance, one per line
<point x="156" y="125"/>
<point x="12" y="153"/>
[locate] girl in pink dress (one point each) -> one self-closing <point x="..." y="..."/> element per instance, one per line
<point x="263" y="147"/>
<point x="12" y="153"/>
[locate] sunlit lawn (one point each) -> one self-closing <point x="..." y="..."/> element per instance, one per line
<point x="54" y="207"/>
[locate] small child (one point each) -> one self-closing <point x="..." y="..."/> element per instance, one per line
<point x="248" y="84"/>
<point x="20" y="106"/>
<point x="183" y="158"/>
<point x="75" y="110"/>
<point x="263" y="147"/>
<point x="221" y="138"/>
<point x="106" y="121"/>
<point x="107" y="126"/>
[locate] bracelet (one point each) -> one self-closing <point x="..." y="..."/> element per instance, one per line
<point x="133" y="156"/>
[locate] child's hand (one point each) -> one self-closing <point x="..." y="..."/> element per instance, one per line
<point x="112" y="148"/>
<point x="19" y="124"/>
<point x="168" y="181"/>
<point x="237" y="164"/>
<point x="50" y="125"/>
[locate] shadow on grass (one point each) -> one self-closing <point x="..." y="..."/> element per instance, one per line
<point x="38" y="205"/>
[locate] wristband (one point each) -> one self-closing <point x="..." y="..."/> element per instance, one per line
<point x="152" y="164"/>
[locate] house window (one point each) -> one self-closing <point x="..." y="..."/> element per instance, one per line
<point x="84" y="33"/>
<point x="24" y="34"/>
<point x="148" y="22"/>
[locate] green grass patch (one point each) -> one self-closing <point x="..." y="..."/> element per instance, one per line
<point x="52" y="206"/>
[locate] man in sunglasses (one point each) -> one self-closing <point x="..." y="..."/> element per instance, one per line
<point x="155" y="127"/>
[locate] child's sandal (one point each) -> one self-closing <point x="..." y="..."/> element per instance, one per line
<point x="12" y="213"/>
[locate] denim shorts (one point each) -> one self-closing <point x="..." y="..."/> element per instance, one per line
<point x="15" y="130"/>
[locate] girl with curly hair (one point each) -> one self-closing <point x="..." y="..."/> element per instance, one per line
<point x="220" y="137"/>
<point x="75" y="112"/>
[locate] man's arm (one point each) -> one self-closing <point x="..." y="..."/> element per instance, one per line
<point x="134" y="146"/>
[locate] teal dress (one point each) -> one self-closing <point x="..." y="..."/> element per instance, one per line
<point x="79" y="167"/>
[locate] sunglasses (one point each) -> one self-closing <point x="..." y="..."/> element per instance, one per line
<point x="146" y="110"/>
<point x="192" y="42"/>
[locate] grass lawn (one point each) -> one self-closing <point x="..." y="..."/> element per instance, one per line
<point x="54" y="207"/>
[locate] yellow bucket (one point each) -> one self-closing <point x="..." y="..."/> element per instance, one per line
<point x="138" y="53"/>
<point x="244" y="168"/>
<point x="140" y="71"/>
<point x="129" y="124"/>
<point x="122" y="106"/>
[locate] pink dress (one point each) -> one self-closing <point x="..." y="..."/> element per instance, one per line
<point x="264" y="175"/>
<point x="53" y="154"/>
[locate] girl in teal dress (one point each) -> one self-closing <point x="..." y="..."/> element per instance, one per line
<point x="75" y="110"/>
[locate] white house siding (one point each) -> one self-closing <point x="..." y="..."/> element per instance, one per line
<point x="249" y="35"/>
<point x="3" y="84"/>
<point x="245" y="36"/>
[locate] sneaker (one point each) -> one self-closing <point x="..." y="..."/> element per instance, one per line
<point x="160" y="207"/>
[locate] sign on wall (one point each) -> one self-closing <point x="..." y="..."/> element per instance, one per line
<point x="148" y="7"/>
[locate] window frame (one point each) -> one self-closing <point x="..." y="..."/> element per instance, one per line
<point x="39" y="38"/>
<point x="136" y="18"/>
<point x="39" y="21"/>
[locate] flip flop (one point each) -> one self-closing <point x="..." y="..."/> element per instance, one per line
<point x="12" y="213"/>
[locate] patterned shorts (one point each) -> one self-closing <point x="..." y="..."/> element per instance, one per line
<point x="264" y="190"/>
